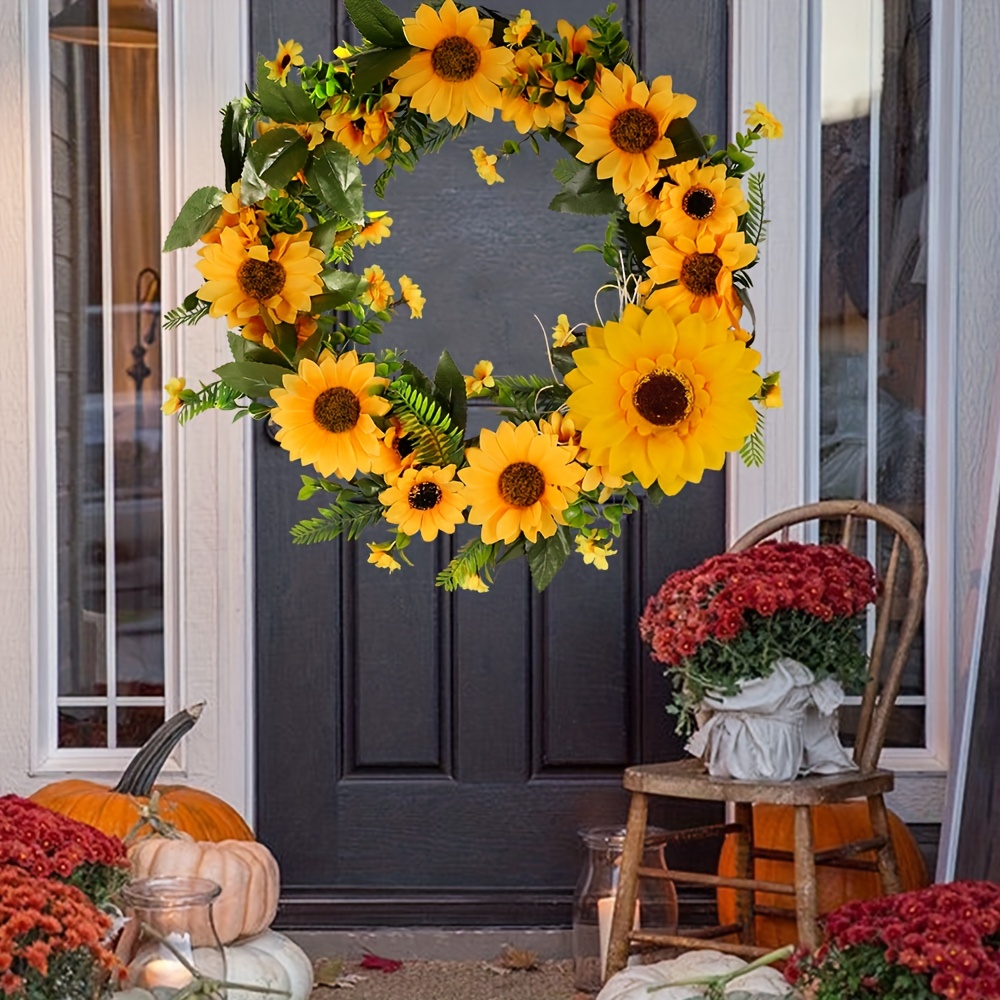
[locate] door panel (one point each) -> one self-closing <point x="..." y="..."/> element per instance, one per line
<point x="426" y="758"/>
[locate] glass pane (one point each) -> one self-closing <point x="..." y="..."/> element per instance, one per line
<point x="108" y="375"/>
<point x="83" y="727"/>
<point x="137" y="724"/>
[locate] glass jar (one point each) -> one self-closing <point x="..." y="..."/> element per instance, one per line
<point x="169" y="935"/>
<point x="594" y="899"/>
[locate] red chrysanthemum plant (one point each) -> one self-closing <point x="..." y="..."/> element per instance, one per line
<point x="731" y="617"/>
<point x="49" y="845"/>
<point x="50" y="940"/>
<point x="943" y="941"/>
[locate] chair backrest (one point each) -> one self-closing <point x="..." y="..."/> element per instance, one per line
<point x="906" y="557"/>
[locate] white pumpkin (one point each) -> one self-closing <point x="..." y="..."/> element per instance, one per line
<point x="633" y="983"/>
<point x="297" y="963"/>
<point x="270" y="960"/>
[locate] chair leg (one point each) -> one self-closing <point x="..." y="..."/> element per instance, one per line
<point x="743" y="814"/>
<point x="628" y="885"/>
<point x="805" y="879"/>
<point x="888" y="865"/>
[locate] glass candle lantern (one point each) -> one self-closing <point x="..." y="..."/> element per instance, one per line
<point x="594" y="899"/>
<point x="169" y="936"/>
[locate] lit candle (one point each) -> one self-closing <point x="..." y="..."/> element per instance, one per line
<point x="165" y="972"/>
<point x="605" y="914"/>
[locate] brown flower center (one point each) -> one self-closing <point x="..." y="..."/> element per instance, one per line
<point x="521" y="484"/>
<point x="664" y="397"/>
<point x="424" y="496"/>
<point x="699" y="203"/>
<point x="455" y="59"/>
<point x="260" y="279"/>
<point x="698" y="273"/>
<point x="285" y="60"/>
<point x="634" y="130"/>
<point x="337" y="409"/>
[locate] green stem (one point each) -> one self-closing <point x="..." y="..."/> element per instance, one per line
<point x="728" y="977"/>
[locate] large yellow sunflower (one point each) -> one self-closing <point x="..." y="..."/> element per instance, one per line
<point x="426" y="500"/>
<point x="518" y="481"/>
<point x="623" y="126"/>
<point x="239" y="279"/>
<point x="700" y="199"/>
<point x="325" y="414"/>
<point x="703" y="272"/>
<point x="459" y="71"/>
<point x="660" y="399"/>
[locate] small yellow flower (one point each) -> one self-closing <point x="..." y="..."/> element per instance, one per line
<point x="562" y="332"/>
<point x="380" y="556"/>
<point x="593" y="552"/>
<point x="379" y="292"/>
<point x="173" y="402"/>
<point x="481" y="378"/>
<point x="287" y="57"/>
<point x="771" y="394"/>
<point x="376" y="230"/>
<point x="770" y="127"/>
<point x="486" y="165"/>
<point x="518" y="30"/>
<point x="410" y="293"/>
<point x="475" y="583"/>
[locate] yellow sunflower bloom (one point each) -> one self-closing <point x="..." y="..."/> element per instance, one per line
<point x="395" y="454"/>
<point x="379" y="293"/>
<point x="594" y="552"/>
<point x="759" y="116"/>
<point x="522" y="93"/>
<point x="518" y="481"/>
<point x="426" y="500"/>
<point x="289" y="55"/>
<point x="700" y="199"/>
<point x="703" y="272"/>
<point x="519" y="28"/>
<point x="771" y="393"/>
<point x="459" y="71"/>
<point x="240" y="279"/>
<point x="643" y="203"/>
<point x="622" y="127"/>
<point x="243" y="218"/>
<point x="481" y="378"/>
<point x="379" y="556"/>
<point x="409" y="291"/>
<point x="325" y="414"/>
<point x="363" y="132"/>
<point x="574" y="45"/>
<point x="660" y="399"/>
<point x="486" y="165"/>
<point x="562" y="332"/>
<point x="173" y="402"/>
<point x="376" y="230"/>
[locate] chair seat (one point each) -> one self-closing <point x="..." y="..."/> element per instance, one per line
<point x="688" y="779"/>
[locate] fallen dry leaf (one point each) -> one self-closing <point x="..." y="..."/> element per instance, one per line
<point x="498" y="969"/>
<point x="327" y="971"/>
<point x="518" y="959"/>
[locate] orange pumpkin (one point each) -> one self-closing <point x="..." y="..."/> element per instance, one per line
<point x="119" y="811"/>
<point x="833" y="825"/>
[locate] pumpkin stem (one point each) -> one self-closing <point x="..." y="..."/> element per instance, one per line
<point x="145" y="766"/>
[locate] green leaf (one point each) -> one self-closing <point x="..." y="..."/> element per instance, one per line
<point x="283" y="104"/>
<point x="546" y="557"/>
<point x="278" y="155"/>
<point x="336" y="176"/>
<point x="376" y="22"/>
<point x="475" y="556"/>
<point x="310" y="348"/>
<point x="566" y="169"/>
<point x="234" y="142"/>
<point x="238" y="345"/>
<point x="342" y="287"/>
<point x="371" y="68"/>
<point x="450" y="386"/>
<point x="200" y="212"/>
<point x="752" y="451"/>
<point x="688" y="143"/>
<point x="325" y="234"/>
<point x="585" y="194"/>
<point x="435" y="439"/>
<point x="251" y="377"/>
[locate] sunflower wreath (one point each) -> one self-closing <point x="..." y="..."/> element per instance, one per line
<point x="638" y="405"/>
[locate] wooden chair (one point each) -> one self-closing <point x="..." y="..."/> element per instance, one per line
<point x="688" y="779"/>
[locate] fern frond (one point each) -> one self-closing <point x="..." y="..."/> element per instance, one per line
<point x="473" y="557"/>
<point x="527" y="397"/>
<point x="754" y="223"/>
<point x="180" y="315"/>
<point x="436" y="440"/>
<point x="215" y="396"/>
<point x="752" y="451"/>
<point x="349" y="516"/>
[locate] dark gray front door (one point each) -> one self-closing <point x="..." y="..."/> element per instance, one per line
<point x="429" y="758"/>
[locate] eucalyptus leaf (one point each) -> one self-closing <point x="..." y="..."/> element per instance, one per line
<point x="251" y="377"/>
<point x="283" y="104"/>
<point x="371" y="68"/>
<point x="376" y="22"/>
<point x="278" y="155"/>
<point x="546" y="557"/>
<point x="336" y="175"/>
<point x="200" y="212"/>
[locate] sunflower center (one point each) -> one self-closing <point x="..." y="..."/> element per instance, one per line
<point x="337" y="409"/>
<point x="698" y="273"/>
<point x="260" y="279"/>
<point x="283" y="64"/>
<point x="699" y="203"/>
<point x="424" y="496"/>
<point x="664" y="397"/>
<point x="455" y="59"/>
<point x="634" y="130"/>
<point x="521" y="484"/>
